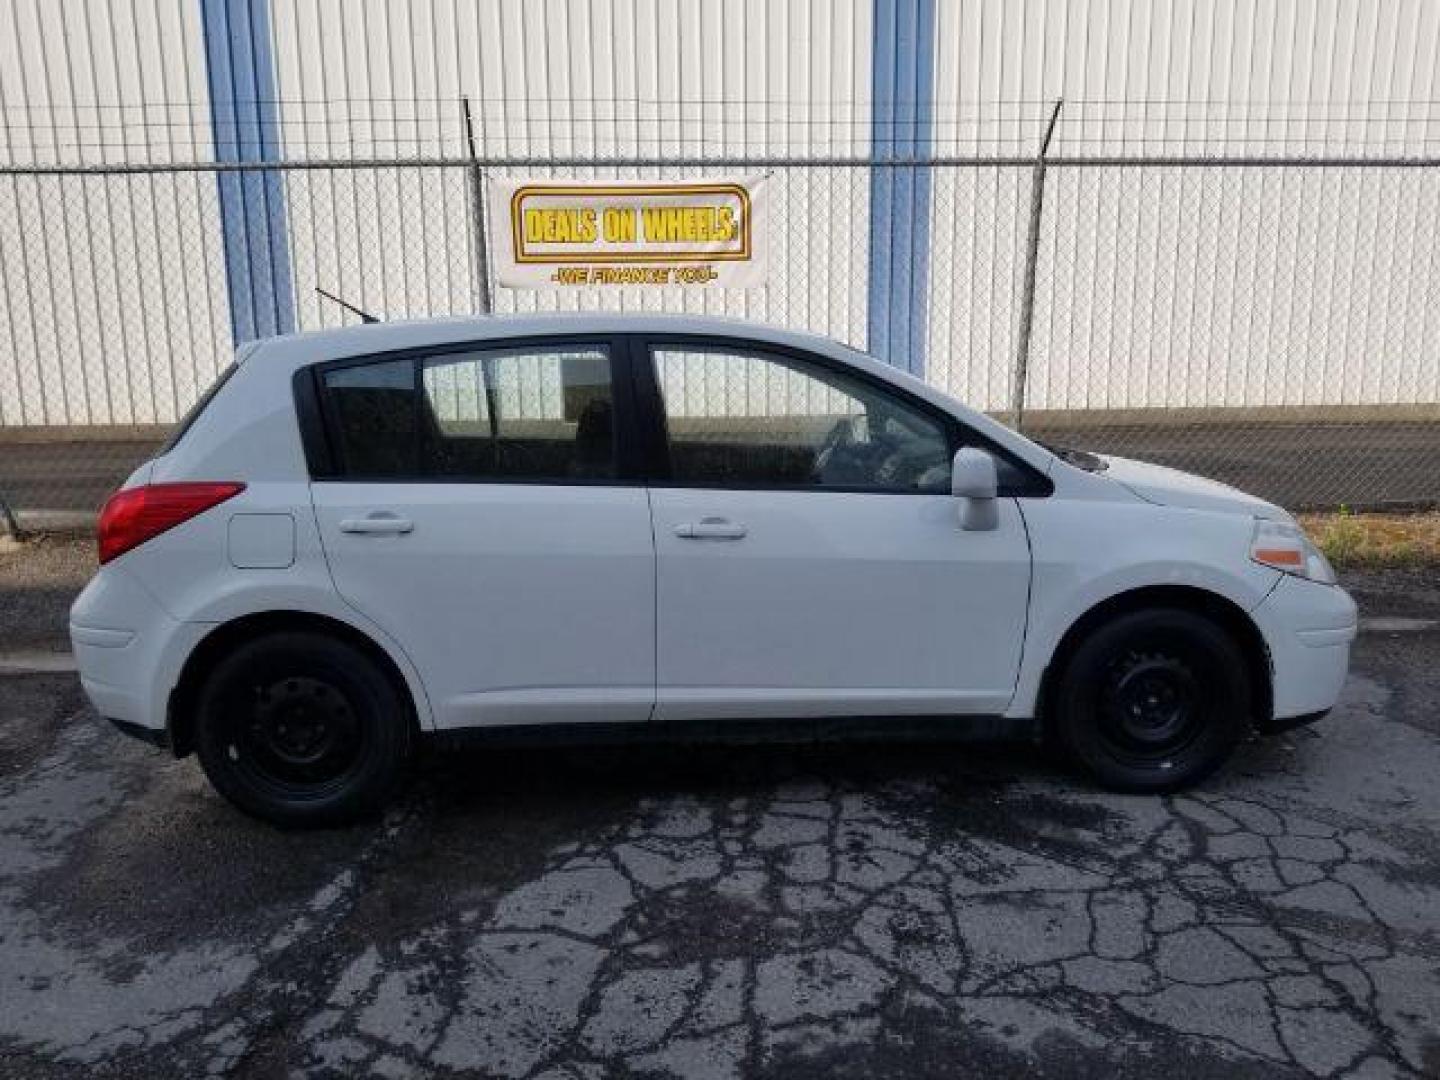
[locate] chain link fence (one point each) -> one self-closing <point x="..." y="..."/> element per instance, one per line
<point x="1268" y="322"/>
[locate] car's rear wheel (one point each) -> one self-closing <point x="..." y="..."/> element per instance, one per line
<point x="1153" y="701"/>
<point x="299" y="728"/>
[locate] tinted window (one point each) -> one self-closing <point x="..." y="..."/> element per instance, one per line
<point x="748" y="418"/>
<point x="484" y="414"/>
<point x="520" y="414"/>
<point x="373" y="411"/>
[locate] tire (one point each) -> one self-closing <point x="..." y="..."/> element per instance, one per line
<point x="302" y="729"/>
<point x="1153" y="701"/>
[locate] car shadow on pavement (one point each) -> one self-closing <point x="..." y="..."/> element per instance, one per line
<point x="458" y="781"/>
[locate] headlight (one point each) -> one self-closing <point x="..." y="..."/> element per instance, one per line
<point x="1286" y="548"/>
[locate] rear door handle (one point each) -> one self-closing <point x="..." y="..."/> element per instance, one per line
<point x="710" y="528"/>
<point x="382" y="524"/>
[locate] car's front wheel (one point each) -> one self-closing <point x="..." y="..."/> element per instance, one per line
<point x="1153" y="701"/>
<point x="299" y="728"/>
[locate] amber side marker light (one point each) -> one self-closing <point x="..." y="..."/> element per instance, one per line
<point x="1285" y="547"/>
<point x="1279" y="557"/>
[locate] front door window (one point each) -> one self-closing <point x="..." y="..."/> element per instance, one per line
<point x="741" y="417"/>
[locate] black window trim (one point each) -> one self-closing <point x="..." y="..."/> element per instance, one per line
<point x="656" y="442"/>
<point x="202" y="403"/>
<point x="318" y="431"/>
<point x="642" y="445"/>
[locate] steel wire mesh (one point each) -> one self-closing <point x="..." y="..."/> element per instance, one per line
<point x="1269" y="324"/>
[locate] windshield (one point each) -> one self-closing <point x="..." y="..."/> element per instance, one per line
<point x="1081" y="459"/>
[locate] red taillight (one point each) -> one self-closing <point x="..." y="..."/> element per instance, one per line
<point x="139" y="514"/>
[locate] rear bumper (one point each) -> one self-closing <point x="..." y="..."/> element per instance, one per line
<point x="1279" y="725"/>
<point x="128" y="651"/>
<point x="159" y="739"/>
<point x="1308" y="629"/>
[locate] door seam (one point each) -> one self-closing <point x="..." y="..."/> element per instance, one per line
<point x="654" y="611"/>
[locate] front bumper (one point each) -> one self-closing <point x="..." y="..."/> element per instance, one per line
<point x="1308" y="629"/>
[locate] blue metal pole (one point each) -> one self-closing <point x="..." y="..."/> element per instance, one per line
<point x="240" y="67"/>
<point x="901" y="125"/>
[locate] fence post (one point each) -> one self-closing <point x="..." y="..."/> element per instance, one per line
<point x="477" y="211"/>
<point x="7" y="515"/>
<point x="1032" y="251"/>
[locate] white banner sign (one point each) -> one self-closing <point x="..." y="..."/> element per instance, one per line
<point x="600" y="234"/>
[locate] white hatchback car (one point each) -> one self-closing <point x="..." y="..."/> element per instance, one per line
<point x="661" y="525"/>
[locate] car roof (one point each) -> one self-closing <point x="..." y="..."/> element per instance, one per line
<point x="360" y="339"/>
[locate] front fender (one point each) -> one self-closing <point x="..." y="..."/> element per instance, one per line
<point x="1086" y="555"/>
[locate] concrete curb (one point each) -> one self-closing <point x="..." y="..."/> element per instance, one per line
<point x="37" y="663"/>
<point x="57" y="521"/>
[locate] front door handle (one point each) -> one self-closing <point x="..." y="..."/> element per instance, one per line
<point x="710" y="528"/>
<point x="380" y="524"/>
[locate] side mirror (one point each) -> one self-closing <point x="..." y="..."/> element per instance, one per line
<point x="975" y="481"/>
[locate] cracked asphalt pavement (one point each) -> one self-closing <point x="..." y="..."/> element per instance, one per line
<point x="862" y="910"/>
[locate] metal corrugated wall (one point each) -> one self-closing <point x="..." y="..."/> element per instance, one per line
<point x="621" y="78"/>
<point x="1182" y="287"/>
<point x="1157" y="287"/>
<point x="99" y="323"/>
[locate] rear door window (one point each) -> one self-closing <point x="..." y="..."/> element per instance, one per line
<point x="541" y="413"/>
<point x="373" y="417"/>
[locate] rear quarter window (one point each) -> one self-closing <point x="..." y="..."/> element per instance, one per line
<point x="188" y="420"/>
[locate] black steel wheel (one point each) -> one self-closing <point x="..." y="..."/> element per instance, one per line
<point x="1154" y="700"/>
<point x="302" y="729"/>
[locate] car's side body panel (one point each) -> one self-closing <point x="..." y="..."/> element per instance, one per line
<point x="520" y="603"/>
<point x="142" y="665"/>
<point x="187" y="576"/>
<point x="836" y="604"/>
<point x="573" y="570"/>
<point x="1089" y="547"/>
